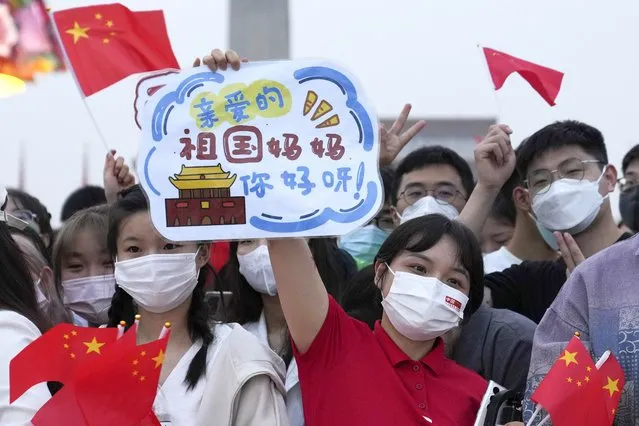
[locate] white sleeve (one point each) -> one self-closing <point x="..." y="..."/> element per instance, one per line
<point x="16" y="332"/>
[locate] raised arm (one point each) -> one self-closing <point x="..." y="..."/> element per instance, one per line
<point x="302" y="293"/>
<point x="495" y="162"/>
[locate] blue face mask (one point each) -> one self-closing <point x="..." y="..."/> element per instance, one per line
<point x="363" y="244"/>
<point x="546" y="234"/>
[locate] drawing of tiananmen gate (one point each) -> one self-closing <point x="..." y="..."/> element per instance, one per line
<point x="204" y="198"/>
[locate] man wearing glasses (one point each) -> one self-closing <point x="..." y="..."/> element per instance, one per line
<point x="568" y="180"/>
<point x="600" y="298"/>
<point x="431" y="180"/>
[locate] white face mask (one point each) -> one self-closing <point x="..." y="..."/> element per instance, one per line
<point x="90" y="297"/>
<point x="428" y="205"/>
<point x="256" y="268"/>
<point x="569" y="205"/>
<point x="158" y="282"/>
<point x="40" y="297"/>
<point x="423" y="308"/>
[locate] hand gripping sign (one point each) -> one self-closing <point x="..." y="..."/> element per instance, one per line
<point x="276" y="149"/>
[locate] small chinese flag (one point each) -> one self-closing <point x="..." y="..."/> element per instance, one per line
<point x="61" y="409"/>
<point x="571" y="391"/>
<point x="119" y="389"/>
<point x="613" y="381"/>
<point x="546" y="81"/>
<point x="107" y="43"/>
<point x="55" y="355"/>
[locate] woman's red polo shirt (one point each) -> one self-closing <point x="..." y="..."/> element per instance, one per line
<point x="352" y="376"/>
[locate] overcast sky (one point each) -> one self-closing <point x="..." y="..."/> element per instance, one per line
<point x="419" y="51"/>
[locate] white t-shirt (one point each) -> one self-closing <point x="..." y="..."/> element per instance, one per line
<point x="499" y="260"/>
<point x="174" y="405"/>
<point x="294" y="407"/>
<point x="17" y="332"/>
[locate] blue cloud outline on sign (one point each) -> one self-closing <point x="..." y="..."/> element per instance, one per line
<point x="309" y="221"/>
<point x="273" y="223"/>
<point x="163" y="110"/>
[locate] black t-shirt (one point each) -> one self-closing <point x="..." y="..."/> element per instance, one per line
<point x="530" y="287"/>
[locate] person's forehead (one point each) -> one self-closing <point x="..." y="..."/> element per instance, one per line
<point x="86" y="242"/>
<point x="633" y="168"/>
<point x="552" y="158"/>
<point x="432" y="174"/>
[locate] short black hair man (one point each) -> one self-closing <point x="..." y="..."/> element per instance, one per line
<point x="432" y="179"/>
<point x="568" y="178"/>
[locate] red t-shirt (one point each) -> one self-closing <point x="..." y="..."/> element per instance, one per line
<point x="351" y="376"/>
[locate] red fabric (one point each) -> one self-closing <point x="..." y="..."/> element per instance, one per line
<point x="546" y="81"/>
<point x="365" y="379"/>
<point x="110" y="42"/>
<point x="62" y="409"/>
<point x="126" y="377"/>
<point x="220" y="253"/>
<point x="612" y="382"/>
<point x="55" y="356"/>
<point x="571" y="391"/>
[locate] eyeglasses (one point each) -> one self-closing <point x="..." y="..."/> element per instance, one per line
<point x="443" y="194"/>
<point x="13" y="221"/>
<point x="29" y="217"/>
<point x="539" y="181"/>
<point x="626" y="184"/>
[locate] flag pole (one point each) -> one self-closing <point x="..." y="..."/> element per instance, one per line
<point x="70" y="68"/>
<point x="534" y="415"/>
<point x="544" y="420"/>
<point x="483" y="59"/>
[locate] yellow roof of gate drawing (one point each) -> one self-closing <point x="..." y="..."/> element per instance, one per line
<point x="209" y="177"/>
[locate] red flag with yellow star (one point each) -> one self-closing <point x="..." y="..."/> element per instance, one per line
<point x="571" y="391"/>
<point x="120" y="387"/>
<point x="55" y="355"/>
<point x="107" y="43"/>
<point x="612" y="382"/>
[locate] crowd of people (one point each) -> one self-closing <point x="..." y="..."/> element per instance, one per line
<point x="459" y="280"/>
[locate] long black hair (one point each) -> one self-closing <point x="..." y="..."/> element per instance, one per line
<point x="123" y="308"/>
<point x="422" y="233"/>
<point x="17" y="290"/>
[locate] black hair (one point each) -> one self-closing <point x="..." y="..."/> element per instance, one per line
<point x="55" y="310"/>
<point x="433" y="155"/>
<point x="422" y="233"/>
<point x="31" y="235"/>
<point x="82" y="198"/>
<point x="123" y="308"/>
<point x="504" y="210"/>
<point x="246" y="304"/>
<point x="388" y="179"/>
<point x="361" y="299"/>
<point x="17" y="290"/>
<point x="32" y="204"/>
<point x="558" y="135"/>
<point x="630" y="156"/>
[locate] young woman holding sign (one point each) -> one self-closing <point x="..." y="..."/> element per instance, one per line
<point x="222" y="376"/>
<point x="430" y="274"/>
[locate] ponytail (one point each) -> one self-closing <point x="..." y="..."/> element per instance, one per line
<point x="123" y="309"/>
